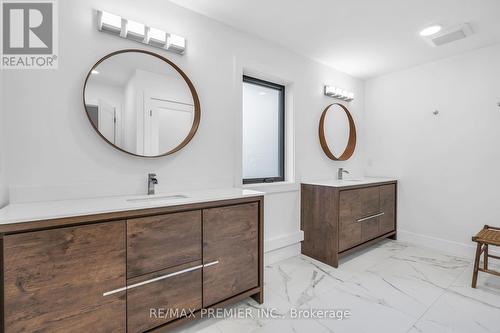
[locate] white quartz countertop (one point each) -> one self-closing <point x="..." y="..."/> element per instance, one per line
<point x="37" y="211"/>
<point x="332" y="182"/>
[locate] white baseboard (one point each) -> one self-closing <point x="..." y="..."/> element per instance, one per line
<point x="282" y="247"/>
<point x="451" y="247"/>
<point x="283" y="241"/>
<point x="282" y="254"/>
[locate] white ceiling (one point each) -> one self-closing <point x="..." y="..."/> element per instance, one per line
<point x="364" y="38"/>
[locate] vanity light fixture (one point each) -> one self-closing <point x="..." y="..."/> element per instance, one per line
<point x="176" y="43"/>
<point x="109" y="22"/>
<point x="139" y="32"/>
<point x="339" y="93"/>
<point x="135" y="31"/>
<point x="157" y="37"/>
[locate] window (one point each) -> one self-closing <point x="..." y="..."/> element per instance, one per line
<point x="263" y="131"/>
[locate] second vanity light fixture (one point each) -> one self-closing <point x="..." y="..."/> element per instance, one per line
<point x="339" y="93"/>
<point x="139" y="32"/>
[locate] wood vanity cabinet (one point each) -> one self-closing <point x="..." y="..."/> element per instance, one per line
<point x="135" y="271"/>
<point x="339" y="220"/>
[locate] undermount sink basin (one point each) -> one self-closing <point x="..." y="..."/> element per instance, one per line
<point x="159" y="198"/>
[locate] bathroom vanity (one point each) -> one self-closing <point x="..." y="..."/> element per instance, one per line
<point x="341" y="216"/>
<point x="121" y="264"/>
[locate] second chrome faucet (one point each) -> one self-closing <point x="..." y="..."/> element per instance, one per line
<point x="152" y="181"/>
<point x="341" y="172"/>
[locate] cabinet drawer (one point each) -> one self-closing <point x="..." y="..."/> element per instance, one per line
<point x="359" y="203"/>
<point x="159" y="242"/>
<point x="355" y="205"/>
<point x="163" y="296"/>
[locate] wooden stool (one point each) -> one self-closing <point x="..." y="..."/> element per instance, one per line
<point x="487" y="236"/>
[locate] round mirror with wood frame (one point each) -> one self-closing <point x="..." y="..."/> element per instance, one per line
<point x="351" y="142"/>
<point x="141" y="103"/>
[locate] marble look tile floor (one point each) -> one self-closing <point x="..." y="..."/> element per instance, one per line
<point x="390" y="287"/>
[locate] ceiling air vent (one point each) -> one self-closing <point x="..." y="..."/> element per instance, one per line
<point x="450" y="35"/>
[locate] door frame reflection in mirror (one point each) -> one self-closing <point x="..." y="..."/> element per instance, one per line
<point x="196" y="101"/>
<point x="351" y="143"/>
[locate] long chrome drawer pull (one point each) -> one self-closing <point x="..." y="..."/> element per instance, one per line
<point x="370" y="217"/>
<point x="211" y="263"/>
<point x="159" y="278"/>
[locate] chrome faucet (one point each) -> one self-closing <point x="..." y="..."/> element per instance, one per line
<point x="340" y="175"/>
<point x="152" y="181"/>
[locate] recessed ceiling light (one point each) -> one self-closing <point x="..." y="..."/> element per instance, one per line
<point x="95" y="72"/>
<point x="434" y="29"/>
<point x="262" y="93"/>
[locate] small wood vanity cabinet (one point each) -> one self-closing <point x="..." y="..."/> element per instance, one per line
<point x="134" y="271"/>
<point x="339" y="220"/>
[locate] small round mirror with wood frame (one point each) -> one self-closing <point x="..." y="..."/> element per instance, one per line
<point x="141" y="103"/>
<point x="337" y="132"/>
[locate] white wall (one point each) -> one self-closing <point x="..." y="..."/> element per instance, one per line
<point x="3" y="177"/>
<point x="447" y="164"/>
<point x="54" y="153"/>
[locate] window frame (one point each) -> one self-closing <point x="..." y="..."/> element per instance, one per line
<point x="281" y="131"/>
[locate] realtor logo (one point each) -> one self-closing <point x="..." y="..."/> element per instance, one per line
<point x="29" y="31"/>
